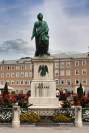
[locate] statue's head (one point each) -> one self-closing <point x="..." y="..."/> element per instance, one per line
<point x="40" y="16"/>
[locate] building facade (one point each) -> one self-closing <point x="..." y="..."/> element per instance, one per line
<point x="69" y="72"/>
<point x="18" y="74"/>
<point x="72" y="70"/>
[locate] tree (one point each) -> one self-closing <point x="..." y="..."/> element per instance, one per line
<point x="6" y="94"/>
<point x="5" y="91"/>
<point x="80" y="91"/>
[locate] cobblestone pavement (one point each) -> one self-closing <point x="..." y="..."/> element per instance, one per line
<point x="38" y="129"/>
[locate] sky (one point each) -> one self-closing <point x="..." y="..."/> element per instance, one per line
<point x="68" y="22"/>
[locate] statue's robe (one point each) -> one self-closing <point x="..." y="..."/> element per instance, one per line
<point x="40" y="32"/>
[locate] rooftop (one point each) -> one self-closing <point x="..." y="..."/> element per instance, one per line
<point x="19" y="61"/>
<point x="68" y="55"/>
<point x="71" y="55"/>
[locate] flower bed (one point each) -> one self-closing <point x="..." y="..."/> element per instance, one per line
<point x="62" y="118"/>
<point x="32" y="117"/>
<point x="29" y="117"/>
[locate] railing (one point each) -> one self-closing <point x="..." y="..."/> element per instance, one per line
<point x="85" y="114"/>
<point x="44" y="116"/>
<point x="66" y="111"/>
<point x="5" y="115"/>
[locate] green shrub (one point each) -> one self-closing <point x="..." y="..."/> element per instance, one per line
<point x="80" y="91"/>
<point x="61" y="118"/>
<point x="29" y="117"/>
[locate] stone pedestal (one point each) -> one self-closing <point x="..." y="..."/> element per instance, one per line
<point x="78" y="116"/>
<point x="16" y="117"/>
<point x="43" y="86"/>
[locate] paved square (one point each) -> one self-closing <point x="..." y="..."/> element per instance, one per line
<point x="34" y="129"/>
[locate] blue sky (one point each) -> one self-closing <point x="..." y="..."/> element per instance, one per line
<point x="68" y="22"/>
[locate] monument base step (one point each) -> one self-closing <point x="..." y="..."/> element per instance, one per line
<point x="43" y="102"/>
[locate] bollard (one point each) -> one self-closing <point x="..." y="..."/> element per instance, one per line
<point x="16" y="116"/>
<point x="78" y="116"/>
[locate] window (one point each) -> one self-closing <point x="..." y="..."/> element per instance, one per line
<point x="26" y="74"/>
<point x="22" y="67"/>
<point x="76" y="63"/>
<point x="56" y="64"/>
<point x="12" y="74"/>
<point x="17" y="74"/>
<point x="7" y="75"/>
<point x="30" y="74"/>
<point x="83" y="62"/>
<point x="67" y="72"/>
<point x="84" y="71"/>
<point x="27" y="82"/>
<point x="57" y="82"/>
<point x="67" y="64"/>
<point x="22" y="74"/>
<point x="22" y="82"/>
<point x="17" y="82"/>
<point x="68" y="82"/>
<point x="77" y="82"/>
<point x="8" y="68"/>
<point x="84" y="82"/>
<point x="13" y="67"/>
<point x="61" y="65"/>
<point x="61" y="72"/>
<point x="2" y="75"/>
<point x="56" y="73"/>
<point x="12" y="82"/>
<point x="61" y="81"/>
<point x="77" y="72"/>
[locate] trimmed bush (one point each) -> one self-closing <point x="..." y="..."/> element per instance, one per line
<point x="29" y="117"/>
<point x="61" y="118"/>
<point x="80" y="91"/>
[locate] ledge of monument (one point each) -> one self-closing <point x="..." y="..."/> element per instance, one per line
<point x="45" y="57"/>
<point x="43" y="80"/>
<point x="43" y="107"/>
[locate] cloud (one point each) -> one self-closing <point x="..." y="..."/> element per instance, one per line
<point x="76" y="7"/>
<point x="67" y="33"/>
<point x="16" y="47"/>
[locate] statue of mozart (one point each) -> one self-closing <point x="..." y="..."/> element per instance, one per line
<point x="40" y="32"/>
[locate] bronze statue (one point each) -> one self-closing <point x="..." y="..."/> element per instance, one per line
<point x="40" y="32"/>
